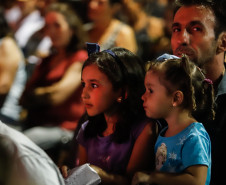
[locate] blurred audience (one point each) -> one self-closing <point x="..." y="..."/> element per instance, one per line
<point x="105" y="29"/>
<point x="164" y="44"/>
<point x="52" y="95"/>
<point x="29" y="22"/>
<point x="148" y="29"/>
<point x="12" y="75"/>
<point x="12" y="12"/>
<point x="39" y="44"/>
<point x="156" y="7"/>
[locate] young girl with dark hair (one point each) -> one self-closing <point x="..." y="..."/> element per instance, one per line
<point x="117" y="140"/>
<point x="176" y="90"/>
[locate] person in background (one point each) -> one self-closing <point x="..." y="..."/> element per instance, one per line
<point x="177" y="91"/>
<point x="39" y="44"/>
<point x="24" y="163"/>
<point x="12" y="12"/>
<point x="105" y="29"/>
<point x="30" y="21"/>
<point x="12" y="75"/>
<point x="117" y="139"/>
<point x="156" y="7"/>
<point x="199" y="31"/>
<point x="52" y="97"/>
<point x="148" y="29"/>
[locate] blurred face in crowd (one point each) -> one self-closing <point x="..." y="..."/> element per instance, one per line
<point x="27" y="6"/>
<point x="99" y="9"/>
<point x="193" y="34"/>
<point x="42" y="5"/>
<point x="57" y="28"/>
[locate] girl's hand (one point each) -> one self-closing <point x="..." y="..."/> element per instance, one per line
<point x="141" y="178"/>
<point x="97" y="169"/>
<point x="104" y="176"/>
<point x="64" y="171"/>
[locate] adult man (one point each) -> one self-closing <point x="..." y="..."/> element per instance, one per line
<point x="24" y="163"/>
<point x="199" y="31"/>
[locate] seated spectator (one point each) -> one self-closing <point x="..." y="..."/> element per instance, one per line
<point x="148" y="29"/>
<point x="29" y="22"/>
<point x="117" y="139"/>
<point x="107" y="30"/>
<point x="24" y="163"/>
<point x="178" y="91"/>
<point x="39" y="44"/>
<point x="12" y="12"/>
<point x="12" y="75"/>
<point x="52" y="97"/>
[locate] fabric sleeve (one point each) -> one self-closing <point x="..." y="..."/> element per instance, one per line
<point x="40" y="171"/>
<point x="197" y="150"/>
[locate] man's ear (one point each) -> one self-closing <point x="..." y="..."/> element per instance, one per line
<point x="221" y="45"/>
<point x="178" y="98"/>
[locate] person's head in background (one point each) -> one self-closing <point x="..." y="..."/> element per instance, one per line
<point x="199" y="31"/>
<point x="131" y="6"/>
<point x="26" y="6"/>
<point x="98" y="10"/>
<point x="177" y="85"/>
<point x="64" y="28"/>
<point x="112" y="87"/>
<point x="42" y="5"/>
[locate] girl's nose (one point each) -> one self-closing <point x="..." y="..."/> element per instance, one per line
<point x="143" y="97"/>
<point x="85" y="93"/>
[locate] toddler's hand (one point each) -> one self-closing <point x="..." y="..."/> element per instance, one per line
<point x="141" y="178"/>
<point x="64" y="171"/>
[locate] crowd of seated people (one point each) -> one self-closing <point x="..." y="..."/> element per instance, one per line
<point x="44" y="102"/>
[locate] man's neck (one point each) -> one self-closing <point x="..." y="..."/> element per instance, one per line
<point x="215" y="70"/>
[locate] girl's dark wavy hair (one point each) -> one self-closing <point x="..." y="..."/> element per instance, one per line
<point x="127" y="74"/>
<point x="77" y="41"/>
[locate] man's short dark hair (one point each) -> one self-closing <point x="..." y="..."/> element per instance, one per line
<point x="218" y="8"/>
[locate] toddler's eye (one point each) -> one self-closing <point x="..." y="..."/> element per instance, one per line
<point x="150" y="90"/>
